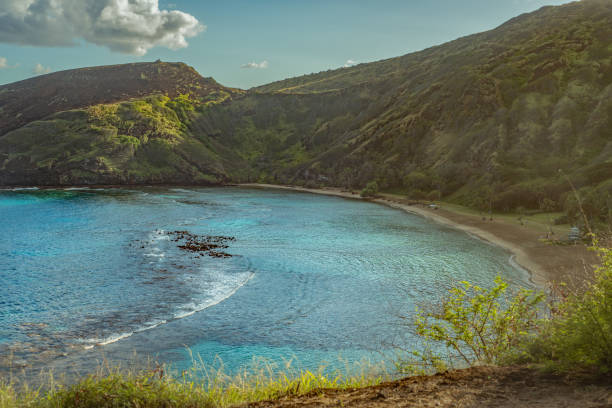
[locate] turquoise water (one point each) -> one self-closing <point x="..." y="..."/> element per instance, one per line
<point x="91" y="273"/>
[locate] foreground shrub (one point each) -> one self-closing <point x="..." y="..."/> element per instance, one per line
<point x="489" y="326"/>
<point x="11" y="398"/>
<point x="475" y="326"/>
<point x="579" y="332"/>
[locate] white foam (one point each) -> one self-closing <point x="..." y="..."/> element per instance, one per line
<point x="116" y="337"/>
<point x="219" y="295"/>
<point x="181" y="315"/>
<point x="156" y="255"/>
<point x="24" y="188"/>
<point x="154" y="251"/>
<point x="526" y="274"/>
<point x="151" y="326"/>
<point x="159" y="235"/>
<point x="109" y="340"/>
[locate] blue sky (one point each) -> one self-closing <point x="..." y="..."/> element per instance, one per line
<point x="283" y="38"/>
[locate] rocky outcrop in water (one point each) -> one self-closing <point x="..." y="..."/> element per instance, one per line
<point x="202" y="244"/>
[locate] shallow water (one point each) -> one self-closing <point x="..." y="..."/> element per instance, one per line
<point x="91" y="273"/>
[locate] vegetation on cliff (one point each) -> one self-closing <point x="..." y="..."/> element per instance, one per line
<point x="485" y="121"/>
<point x="201" y="387"/>
<point x="134" y="142"/>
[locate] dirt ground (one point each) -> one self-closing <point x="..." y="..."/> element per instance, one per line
<point x="508" y="387"/>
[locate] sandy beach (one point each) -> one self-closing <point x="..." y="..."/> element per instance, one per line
<point x="548" y="264"/>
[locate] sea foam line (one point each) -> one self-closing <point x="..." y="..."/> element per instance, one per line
<point x="24" y="189"/>
<point x="91" y="343"/>
<point x="115" y="338"/>
<point x="206" y="305"/>
<point x="512" y="261"/>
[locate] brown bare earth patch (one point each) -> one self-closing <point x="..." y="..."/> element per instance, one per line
<point x="500" y="387"/>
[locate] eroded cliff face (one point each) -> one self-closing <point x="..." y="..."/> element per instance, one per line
<point x="487" y="119"/>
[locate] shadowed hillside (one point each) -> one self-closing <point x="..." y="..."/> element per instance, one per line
<point x="487" y="120"/>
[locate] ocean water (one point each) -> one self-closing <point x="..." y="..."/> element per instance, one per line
<point x="88" y="274"/>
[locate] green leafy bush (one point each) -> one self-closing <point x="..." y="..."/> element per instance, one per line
<point x="489" y="326"/>
<point x="417" y="180"/>
<point x="475" y="326"/>
<point x="370" y="190"/>
<point x="434" y="195"/>
<point x="416" y="194"/>
<point x="579" y="331"/>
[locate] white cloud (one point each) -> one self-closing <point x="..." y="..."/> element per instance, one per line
<point x="254" y="65"/>
<point x="127" y="26"/>
<point x="349" y="63"/>
<point x="39" y="69"/>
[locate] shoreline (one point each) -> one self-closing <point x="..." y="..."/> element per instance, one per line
<point x="541" y="261"/>
<point x="545" y="264"/>
<point x="539" y="268"/>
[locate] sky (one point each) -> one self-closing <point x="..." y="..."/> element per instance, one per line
<point x="240" y="43"/>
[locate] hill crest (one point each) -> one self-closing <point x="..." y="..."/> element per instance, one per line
<point x="35" y="98"/>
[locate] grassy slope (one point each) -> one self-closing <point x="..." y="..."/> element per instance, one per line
<point x="480" y="386"/>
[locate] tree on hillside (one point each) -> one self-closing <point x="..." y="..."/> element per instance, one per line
<point x="371" y="189"/>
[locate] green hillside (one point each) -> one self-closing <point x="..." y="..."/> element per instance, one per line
<point x="125" y="124"/>
<point x="487" y="120"/>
